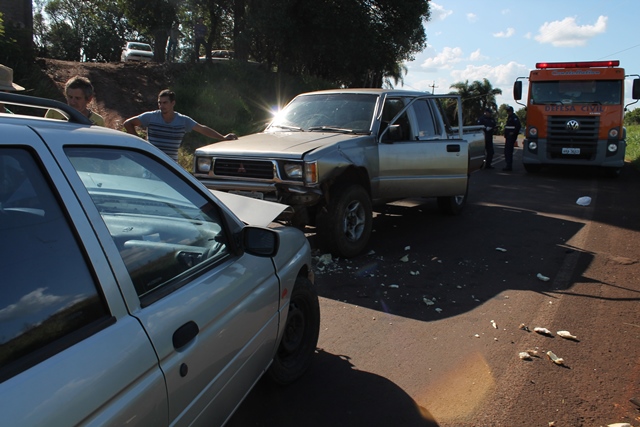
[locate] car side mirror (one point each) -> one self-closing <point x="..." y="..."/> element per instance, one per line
<point x="393" y="133"/>
<point x="259" y="241"/>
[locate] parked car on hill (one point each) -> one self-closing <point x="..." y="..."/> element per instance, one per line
<point x="136" y="51"/>
<point x="131" y="294"/>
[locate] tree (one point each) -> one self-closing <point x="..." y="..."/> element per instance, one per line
<point x="476" y="97"/>
<point x="632" y="117"/>
<point x="153" y="19"/>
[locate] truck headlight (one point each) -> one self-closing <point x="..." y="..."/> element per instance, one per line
<point x="203" y="164"/>
<point x="533" y="132"/>
<point x="612" y="148"/>
<point x="613" y="133"/>
<point x="533" y="146"/>
<point x="293" y="170"/>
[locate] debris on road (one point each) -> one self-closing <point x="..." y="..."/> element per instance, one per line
<point x="567" y="335"/>
<point x="501" y="249"/>
<point x="524" y="327"/>
<point x="619" y="425"/>
<point x="584" y="201"/>
<point x="543" y="278"/>
<point x="555" y="359"/>
<point x="428" y="301"/>
<point x="524" y="355"/>
<point x="405" y="258"/>
<point x="493" y="323"/>
<point x="543" y="331"/>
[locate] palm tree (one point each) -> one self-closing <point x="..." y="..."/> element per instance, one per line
<point x="475" y="98"/>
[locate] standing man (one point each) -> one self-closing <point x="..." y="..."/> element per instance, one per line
<point x="511" y="131"/>
<point x="166" y="127"/>
<point x="174" y="34"/>
<point x="200" y="35"/>
<point x="79" y="93"/>
<point x="489" y="125"/>
<point x="7" y="84"/>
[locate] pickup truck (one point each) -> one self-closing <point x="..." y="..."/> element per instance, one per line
<point x="334" y="155"/>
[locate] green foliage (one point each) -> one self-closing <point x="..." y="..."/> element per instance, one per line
<point x="632" y="117"/>
<point x="476" y="97"/>
<point x="633" y="145"/>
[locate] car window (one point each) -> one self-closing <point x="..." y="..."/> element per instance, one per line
<point x="426" y="125"/>
<point x="392" y="106"/>
<point x="164" y="229"/>
<point x="47" y="291"/>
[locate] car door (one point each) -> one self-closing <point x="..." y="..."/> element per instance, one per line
<point x="414" y="159"/>
<point x="70" y="354"/>
<point x="209" y="310"/>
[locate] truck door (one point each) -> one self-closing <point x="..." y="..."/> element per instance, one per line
<point x="416" y="158"/>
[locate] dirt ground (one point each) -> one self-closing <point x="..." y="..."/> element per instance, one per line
<point x="122" y="90"/>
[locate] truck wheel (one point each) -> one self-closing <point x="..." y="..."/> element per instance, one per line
<point x="452" y="205"/>
<point x="532" y="168"/>
<point x="298" y="344"/>
<point x="345" y="228"/>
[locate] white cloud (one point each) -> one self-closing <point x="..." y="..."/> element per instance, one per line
<point x="567" y="33"/>
<point x="501" y="77"/>
<point x="477" y="56"/>
<point x="472" y="17"/>
<point x="438" y="12"/>
<point x="505" y="34"/>
<point x="445" y="59"/>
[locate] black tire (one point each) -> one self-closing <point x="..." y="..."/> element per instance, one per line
<point x="532" y="168"/>
<point x="345" y="227"/>
<point x="300" y="335"/>
<point x="453" y="205"/>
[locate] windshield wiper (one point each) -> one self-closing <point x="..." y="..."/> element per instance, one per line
<point x="288" y="127"/>
<point x="331" y="129"/>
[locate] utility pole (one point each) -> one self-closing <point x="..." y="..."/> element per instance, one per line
<point x="433" y="88"/>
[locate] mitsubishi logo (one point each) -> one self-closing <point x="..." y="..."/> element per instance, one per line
<point x="573" y="125"/>
<point x="241" y="169"/>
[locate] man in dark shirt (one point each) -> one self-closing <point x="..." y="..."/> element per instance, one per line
<point x="489" y="125"/>
<point x="511" y="131"/>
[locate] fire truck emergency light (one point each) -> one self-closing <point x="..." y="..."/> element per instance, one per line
<point x="586" y="64"/>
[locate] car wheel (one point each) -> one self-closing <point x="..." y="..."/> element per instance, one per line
<point x="452" y="205"/>
<point x="300" y="337"/>
<point x="345" y="227"/>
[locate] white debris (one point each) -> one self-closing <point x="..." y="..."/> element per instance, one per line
<point x="584" y="201"/>
<point x="415" y="273"/>
<point x="371" y="252"/>
<point x="543" y="278"/>
<point x="543" y="331"/>
<point x="394" y="286"/>
<point x="405" y="258"/>
<point x="557" y="360"/>
<point x="439" y="310"/>
<point x="524" y="355"/>
<point x="619" y="425"/>
<point x="325" y="259"/>
<point x="428" y="301"/>
<point x="477" y="336"/>
<point x="567" y="335"/>
<point x="406" y="248"/>
<point x="493" y="323"/>
<point x="501" y="249"/>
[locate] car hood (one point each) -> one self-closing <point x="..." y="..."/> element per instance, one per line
<point x="139" y="52"/>
<point x="252" y="211"/>
<point x="291" y="145"/>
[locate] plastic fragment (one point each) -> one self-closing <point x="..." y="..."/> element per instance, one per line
<point x="584" y="201"/>
<point x="619" y="425"/>
<point x="524" y="327"/>
<point x="414" y="273"/>
<point x="524" y="355"/>
<point x="439" y="310"/>
<point x="567" y="335"/>
<point x="493" y="323"/>
<point x="555" y="359"/>
<point x="405" y="258"/>
<point x="501" y="249"/>
<point x="394" y="286"/>
<point x="406" y="248"/>
<point x="543" y="278"/>
<point x="543" y="331"/>
<point x="428" y="301"/>
<point x="325" y="259"/>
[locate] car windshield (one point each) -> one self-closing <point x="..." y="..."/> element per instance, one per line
<point x="607" y="92"/>
<point x="140" y="46"/>
<point x="337" y="112"/>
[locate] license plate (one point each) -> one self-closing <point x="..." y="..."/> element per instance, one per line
<point x="252" y="194"/>
<point x="566" y="150"/>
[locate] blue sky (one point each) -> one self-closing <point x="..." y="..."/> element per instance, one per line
<point x="502" y="40"/>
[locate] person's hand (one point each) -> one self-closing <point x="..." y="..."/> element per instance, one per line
<point x="230" y="136"/>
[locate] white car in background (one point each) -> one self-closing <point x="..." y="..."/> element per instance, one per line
<point x="136" y="51"/>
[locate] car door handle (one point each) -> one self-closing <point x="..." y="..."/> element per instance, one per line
<point x="184" y="334"/>
<point x="453" y="148"/>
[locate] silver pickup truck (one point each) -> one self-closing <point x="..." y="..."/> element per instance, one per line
<point x="333" y="155"/>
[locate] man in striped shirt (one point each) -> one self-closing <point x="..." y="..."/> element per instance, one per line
<point x="166" y="127"/>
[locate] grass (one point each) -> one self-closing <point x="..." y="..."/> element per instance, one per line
<point x="633" y="145"/>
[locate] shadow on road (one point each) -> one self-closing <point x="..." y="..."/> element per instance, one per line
<point x="332" y="393"/>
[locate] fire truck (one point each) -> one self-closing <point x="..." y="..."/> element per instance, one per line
<point x="574" y="115"/>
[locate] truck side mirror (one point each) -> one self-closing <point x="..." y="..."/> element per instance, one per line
<point x="517" y="90"/>
<point x="394" y="133"/>
<point x="635" y="92"/>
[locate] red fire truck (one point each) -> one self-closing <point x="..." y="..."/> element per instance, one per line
<point x="574" y="115"/>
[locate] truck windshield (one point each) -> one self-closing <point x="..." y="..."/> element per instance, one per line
<point x="327" y="112"/>
<point x="606" y="92"/>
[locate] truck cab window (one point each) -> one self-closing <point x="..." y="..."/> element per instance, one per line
<point x="392" y="107"/>
<point x="424" y="116"/>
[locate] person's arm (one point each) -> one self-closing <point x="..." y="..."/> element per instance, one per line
<point x="211" y="133"/>
<point x="130" y="125"/>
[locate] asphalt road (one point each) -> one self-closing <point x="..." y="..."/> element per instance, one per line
<point x="424" y="329"/>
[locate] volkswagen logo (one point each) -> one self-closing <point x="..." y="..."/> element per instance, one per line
<point x="573" y="125"/>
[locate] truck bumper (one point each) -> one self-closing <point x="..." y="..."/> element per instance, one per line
<point x="295" y="196"/>
<point x="542" y="155"/>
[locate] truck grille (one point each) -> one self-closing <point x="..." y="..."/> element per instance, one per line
<point x="585" y="137"/>
<point x="256" y="169"/>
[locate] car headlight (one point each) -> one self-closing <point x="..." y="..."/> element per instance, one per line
<point x="293" y="170"/>
<point x="612" y="148"/>
<point x="203" y="164"/>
